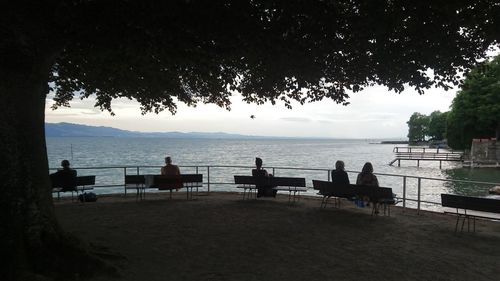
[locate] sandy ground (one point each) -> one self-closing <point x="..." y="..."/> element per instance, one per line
<point x="221" y="237"/>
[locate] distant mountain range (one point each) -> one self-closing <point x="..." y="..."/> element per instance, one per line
<point x="77" y="130"/>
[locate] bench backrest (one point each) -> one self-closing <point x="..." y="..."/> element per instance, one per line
<point x="330" y="189"/>
<point x="174" y="182"/>
<point x="134" y="179"/>
<point x="470" y="203"/>
<point x="191" y="178"/>
<point x="167" y="182"/>
<point x="288" y="181"/>
<point x="85" y="180"/>
<point x="374" y="193"/>
<point x="322" y="186"/>
<point x="66" y="181"/>
<point x="244" y="180"/>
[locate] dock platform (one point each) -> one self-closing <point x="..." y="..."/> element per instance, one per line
<point x="425" y="154"/>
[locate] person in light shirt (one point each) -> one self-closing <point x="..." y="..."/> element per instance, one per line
<point x="169" y="169"/>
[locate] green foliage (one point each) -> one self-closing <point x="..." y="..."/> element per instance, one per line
<point x="164" y="52"/>
<point x="418" y="126"/>
<point x="422" y="127"/>
<point x="437" y="125"/>
<point x="475" y="110"/>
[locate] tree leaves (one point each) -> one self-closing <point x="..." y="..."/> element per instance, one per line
<point x="163" y="52"/>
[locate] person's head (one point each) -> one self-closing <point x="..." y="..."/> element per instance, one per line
<point x="258" y="162"/>
<point x="367" y="168"/>
<point x="65" y="164"/>
<point x="339" y="165"/>
<point x="168" y="160"/>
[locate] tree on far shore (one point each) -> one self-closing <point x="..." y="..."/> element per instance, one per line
<point x="164" y="52"/>
<point x="475" y="111"/>
<point x="418" y="127"/>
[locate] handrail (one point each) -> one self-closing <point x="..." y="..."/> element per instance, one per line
<point x="279" y="168"/>
<point x="208" y="171"/>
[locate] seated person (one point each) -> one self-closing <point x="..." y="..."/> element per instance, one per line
<point x="64" y="178"/>
<point x="264" y="188"/>
<point x="170" y="170"/>
<point x="366" y="177"/>
<point x="339" y="175"/>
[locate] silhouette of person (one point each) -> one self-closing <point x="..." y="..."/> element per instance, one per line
<point x="64" y="178"/>
<point x="339" y="175"/>
<point x="169" y="169"/>
<point x="366" y="177"/>
<point x="264" y="187"/>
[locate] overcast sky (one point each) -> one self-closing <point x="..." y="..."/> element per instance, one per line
<point x="372" y="113"/>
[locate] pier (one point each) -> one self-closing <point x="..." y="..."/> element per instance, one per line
<point x="425" y="154"/>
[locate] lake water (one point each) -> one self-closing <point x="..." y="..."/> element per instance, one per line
<point x="88" y="153"/>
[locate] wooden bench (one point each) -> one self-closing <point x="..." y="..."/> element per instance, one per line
<point x="294" y="186"/>
<point x="377" y="196"/>
<point x="328" y="190"/>
<point x="247" y="183"/>
<point x="291" y="184"/>
<point x="464" y="203"/>
<point x="136" y="182"/>
<point x="188" y="181"/>
<point x="80" y="184"/>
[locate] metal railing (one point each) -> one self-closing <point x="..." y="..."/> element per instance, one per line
<point x="214" y="178"/>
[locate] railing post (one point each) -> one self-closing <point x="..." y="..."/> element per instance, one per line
<point x="404" y="193"/>
<point x="208" y="179"/>
<point x="137" y="170"/>
<point x="328" y="175"/>
<point x="274" y="173"/>
<point x="418" y="194"/>
<point x="197" y="169"/>
<point x="124" y="184"/>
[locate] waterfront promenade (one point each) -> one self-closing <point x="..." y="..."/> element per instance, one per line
<point x="220" y="237"/>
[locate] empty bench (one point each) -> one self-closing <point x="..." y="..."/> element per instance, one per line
<point x="464" y="203"/>
<point x="77" y="184"/>
<point x="377" y="196"/>
<point x="291" y="184"/>
<point x="187" y="181"/>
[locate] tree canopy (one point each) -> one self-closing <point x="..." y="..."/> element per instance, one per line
<point x="423" y="127"/>
<point x="437" y="125"/>
<point x="475" y="111"/>
<point x="164" y="52"/>
<point x="418" y="127"/>
<point x="161" y="52"/>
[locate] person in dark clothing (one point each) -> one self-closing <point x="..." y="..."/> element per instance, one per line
<point x="64" y="178"/>
<point x="264" y="187"/>
<point x="339" y="175"/>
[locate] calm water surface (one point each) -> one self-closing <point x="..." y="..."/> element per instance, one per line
<point x="296" y="153"/>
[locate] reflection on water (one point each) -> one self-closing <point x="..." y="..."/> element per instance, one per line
<point x="483" y="175"/>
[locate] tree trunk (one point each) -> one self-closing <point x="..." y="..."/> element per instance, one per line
<point x="32" y="241"/>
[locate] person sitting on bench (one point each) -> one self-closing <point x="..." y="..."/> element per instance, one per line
<point x="171" y="170"/>
<point x="264" y="188"/>
<point x="339" y="175"/>
<point x="366" y="177"/>
<point x="64" y="178"/>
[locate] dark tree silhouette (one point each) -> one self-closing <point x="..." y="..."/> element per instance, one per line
<point x="164" y="52"/>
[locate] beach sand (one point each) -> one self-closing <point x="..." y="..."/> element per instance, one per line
<point x="221" y="237"/>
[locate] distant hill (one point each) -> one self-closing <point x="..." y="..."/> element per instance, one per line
<point x="77" y="130"/>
